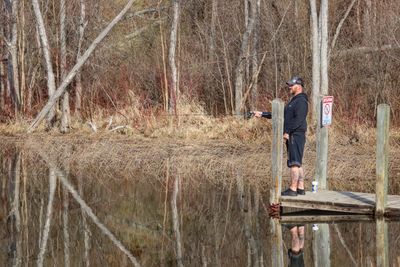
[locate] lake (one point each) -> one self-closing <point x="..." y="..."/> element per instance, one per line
<point x="55" y="213"/>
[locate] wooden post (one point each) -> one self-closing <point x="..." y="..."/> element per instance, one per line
<point x="322" y="151"/>
<point x="382" y="243"/>
<point x="382" y="158"/>
<point x="277" y="243"/>
<point x="277" y="148"/>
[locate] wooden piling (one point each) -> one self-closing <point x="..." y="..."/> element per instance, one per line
<point x="277" y="243"/>
<point x="277" y="148"/>
<point x="382" y="158"/>
<point x="382" y="243"/>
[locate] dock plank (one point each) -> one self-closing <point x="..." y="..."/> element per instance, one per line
<point x="342" y="201"/>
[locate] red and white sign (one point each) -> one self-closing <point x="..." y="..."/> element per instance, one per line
<point x="327" y="105"/>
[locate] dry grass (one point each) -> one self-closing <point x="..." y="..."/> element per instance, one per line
<point x="244" y="150"/>
<point x="200" y="148"/>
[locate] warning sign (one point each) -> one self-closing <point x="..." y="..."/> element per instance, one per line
<point x="326" y="118"/>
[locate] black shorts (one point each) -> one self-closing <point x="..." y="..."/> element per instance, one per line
<point x="295" y="148"/>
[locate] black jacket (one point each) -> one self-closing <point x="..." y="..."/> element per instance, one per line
<point x="296" y="114"/>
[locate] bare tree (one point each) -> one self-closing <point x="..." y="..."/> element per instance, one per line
<point x="65" y="117"/>
<point x="60" y="90"/>
<point x="320" y="40"/>
<point x="172" y="57"/>
<point x="13" y="78"/>
<point x="2" y="83"/>
<point x="51" y="82"/>
<point x="242" y="59"/>
<point x="316" y="60"/>
<point x="254" y="56"/>
<point x="82" y="26"/>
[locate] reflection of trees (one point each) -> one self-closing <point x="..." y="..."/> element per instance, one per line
<point x="46" y="228"/>
<point x="89" y="212"/>
<point x="15" y="247"/>
<point x="254" y="250"/>
<point x="220" y="224"/>
<point x="175" y="222"/>
<point x="86" y="230"/>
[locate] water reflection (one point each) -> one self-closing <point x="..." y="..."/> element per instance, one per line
<point x="295" y="253"/>
<point x="54" y="213"/>
<point x="327" y="237"/>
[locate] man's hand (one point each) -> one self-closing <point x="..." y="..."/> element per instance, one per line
<point x="285" y="136"/>
<point x="257" y="114"/>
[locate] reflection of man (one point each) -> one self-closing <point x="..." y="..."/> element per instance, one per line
<point x="296" y="258"/>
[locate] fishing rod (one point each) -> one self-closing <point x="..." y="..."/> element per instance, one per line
<point x="246" y="115"/>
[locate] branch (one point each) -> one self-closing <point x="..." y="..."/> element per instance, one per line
<point x="366" y="49"/>
<point x="145" y="11"/>
<point x="339" y="27"/>
<point x="6" y="42"/>
<point x="60" y="90"/>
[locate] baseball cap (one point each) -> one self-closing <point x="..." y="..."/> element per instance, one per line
<point x="295" y="80"/>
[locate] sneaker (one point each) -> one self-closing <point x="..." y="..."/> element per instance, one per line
<point x="289" y="192"/>
<point x="301" y="191"/>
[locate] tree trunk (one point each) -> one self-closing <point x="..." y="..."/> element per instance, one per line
<point x="211" y="57"/>
<point x="324" y="47"/>
<point x="254" y="57"/>
<point x="51" y="82"/>
<point x="240" y="67"/>
<point x="78" y="92"/>
<point x="60" y="90"/>
<point x="65" y="116"/>
<point x="315" y="48"/>
<point x="172" y="58"/>
<point x="22" y="47"/>
<point x="2" y="84"/>
<point x="320" y="85"/>
<point x="12" y="10"/>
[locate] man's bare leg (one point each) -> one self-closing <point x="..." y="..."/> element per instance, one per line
<point x="294" y="175"/>
<point x="300" y="183"/>
<point x="295" y="239"/>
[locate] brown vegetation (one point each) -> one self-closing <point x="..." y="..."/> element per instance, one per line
<point x="232" y="147"/>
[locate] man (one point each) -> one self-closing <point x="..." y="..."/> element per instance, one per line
<point x="295" y="127"/>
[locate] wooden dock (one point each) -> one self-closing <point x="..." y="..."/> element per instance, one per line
<point x="349" y="202"/>
<point x="377" y="205"/>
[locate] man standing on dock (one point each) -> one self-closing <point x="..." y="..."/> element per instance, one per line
<point x="295" y="127"/>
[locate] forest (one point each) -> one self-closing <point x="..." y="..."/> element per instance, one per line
<point x="76" y="61"/>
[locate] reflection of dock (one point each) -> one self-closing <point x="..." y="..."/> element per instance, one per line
<point x="351" y="202"/>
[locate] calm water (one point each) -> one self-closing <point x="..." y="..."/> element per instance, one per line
<point x="53" y="215"/>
